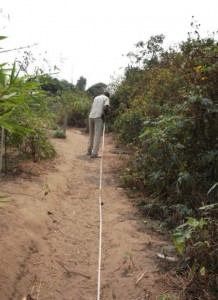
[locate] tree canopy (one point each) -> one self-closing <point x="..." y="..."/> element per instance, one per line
<point x="96" y="89"/>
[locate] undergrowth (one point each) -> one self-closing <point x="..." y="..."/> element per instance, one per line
<point x="167" y="115"/>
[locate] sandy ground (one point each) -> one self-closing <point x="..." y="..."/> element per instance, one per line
<point x="49" y="232"/>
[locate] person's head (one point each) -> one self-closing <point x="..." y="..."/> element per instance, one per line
<point x="107" y="94"/>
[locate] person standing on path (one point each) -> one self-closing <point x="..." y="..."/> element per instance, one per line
<point x="99" y="110"/>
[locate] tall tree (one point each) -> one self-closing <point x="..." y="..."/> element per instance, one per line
<point x="96" y="89"/>
<point x="81" y="83"/>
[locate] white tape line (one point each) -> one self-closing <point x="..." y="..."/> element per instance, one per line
<point x="100" y="219"/>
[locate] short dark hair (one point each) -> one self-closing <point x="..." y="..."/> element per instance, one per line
<point x="107" y="94"/>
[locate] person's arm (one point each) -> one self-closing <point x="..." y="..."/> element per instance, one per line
<point x="106" y="106"/>
<point x="106" y="110"/>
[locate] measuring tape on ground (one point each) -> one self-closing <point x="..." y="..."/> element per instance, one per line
<point x="100" y="218"/>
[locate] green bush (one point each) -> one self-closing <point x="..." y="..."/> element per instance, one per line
<point x="172" y="124"/>
<point x="128" y="125"/>
<point x="79" y="110"/>
<point x="167" y="112"/>
<point x="73" y="104"/>
<point x="197" y="241"/>
<point x="34" y="145"/>
<point x="59" y="134"/>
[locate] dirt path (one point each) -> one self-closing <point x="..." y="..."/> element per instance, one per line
<point x="49" y="232"/>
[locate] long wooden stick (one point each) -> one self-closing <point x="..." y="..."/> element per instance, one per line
<point x="140" y="278"/>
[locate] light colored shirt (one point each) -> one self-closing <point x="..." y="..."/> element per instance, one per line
<point x="98" y="106"/>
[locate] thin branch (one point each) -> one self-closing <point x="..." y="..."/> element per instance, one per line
<point x="39" y="289"/>
<point x="23" y="194"/>
<point x="140" y="278"/>
<point x="20" y="48"/>
<point x="70" y="273"/>
<point x="67" y="236"/>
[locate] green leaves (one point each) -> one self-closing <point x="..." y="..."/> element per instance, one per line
<point x="184" y="232"/>
<point x="6" y="125"/>
<point x="167" y="112"/>
<point x="4" y="199"/>
<point x="185" y="179"/>
<point x="179" y="239"/>
<point x="24" y="113"/>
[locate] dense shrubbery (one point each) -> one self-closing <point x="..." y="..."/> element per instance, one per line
<point x="68" y="104"/>
<point x="23" y="115"/>
<point x="72" y="106"/>
<point x="167" y="113"/>
<point x="30" y="105"/>
<point x="169" y="118"/>
<point x="79" y="110"/>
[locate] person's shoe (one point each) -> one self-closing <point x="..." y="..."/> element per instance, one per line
<point x="95" y="156"/>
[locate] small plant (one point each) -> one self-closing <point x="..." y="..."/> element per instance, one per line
<point x="197" y="242"/>
<point x="54" y="126"/>
<point x="168" y="297"/>
<point x="185" y="231"/>
<point x="47" y="189"/>
<point x="127" y="258"/>
<point x="4" y="199"/>
<point x="59" y="134"/>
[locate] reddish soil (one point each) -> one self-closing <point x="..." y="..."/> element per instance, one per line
<point x="49" y="232"/>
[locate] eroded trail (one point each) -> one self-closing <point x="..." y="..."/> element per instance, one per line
<point x="50" y="231"/>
